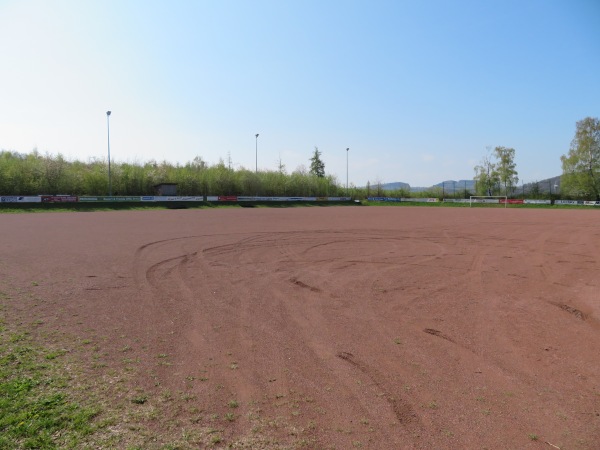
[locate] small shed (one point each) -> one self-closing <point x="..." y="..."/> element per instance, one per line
<point x="165" y="189"/>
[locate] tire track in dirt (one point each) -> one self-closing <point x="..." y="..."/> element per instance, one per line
<point x="474" y="299"/>
<point x="439" y="334"/>
<point x="194" y="319"/>
<point x="301" y="321"/>
<point x="403" y="410"/>
<point x="574" y="311"/>
<point x="149" y="266"/>
<point x="271" y="330"/>
<point x="578" y="255"/>
<point x="498" y="313"/>
<point x="160" y="273"/>
<point x="312" y="351"/>
<point x="387" y="248"/>
<point x="167" y="300"/>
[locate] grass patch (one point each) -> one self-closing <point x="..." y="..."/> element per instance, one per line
<point x="139" y="399"/>
<point x="37" y="411"/>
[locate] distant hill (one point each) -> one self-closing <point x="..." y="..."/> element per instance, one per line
<point x="448" y="186"/>
<point x="394" y="186"/>
<point x="451" y="186"/>
<point x="549" y="185"/>
<point x="456" y="186"/>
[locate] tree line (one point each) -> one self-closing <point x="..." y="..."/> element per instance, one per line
<point x="496" y="174"/>
<point x="36" y="174"/>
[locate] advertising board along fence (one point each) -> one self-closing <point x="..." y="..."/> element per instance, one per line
<point x="384" y="199"/>
<point x="530" y="201"/>
<point x="59" y="198"/>
<point x="456" y="200"/>
<point x="246" y="198"/>
<point x="172" y="198"/>
<point x="110" y="199"/>
<point x="403" y="199"/>
<point x="577" y="202"/>
<point x="20" y="199"/>
<point x="144" y="198"/>
<point x="421" y="200"/>
<point x="566" y="202"/>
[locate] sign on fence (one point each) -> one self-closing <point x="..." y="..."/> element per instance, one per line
<point x="537" y="202"/>
<point x="577" y="202"/>
<point x="59" y="198"/>
<point x="110" y="199"/>
<point x="384" y="199"/>
<point x="20" y="199"/>
<point x="567" y="202"/>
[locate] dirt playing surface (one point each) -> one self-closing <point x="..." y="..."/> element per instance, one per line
<point x="337" y="327"/>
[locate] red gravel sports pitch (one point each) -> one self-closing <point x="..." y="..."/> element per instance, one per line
<point x="323" y="327"/>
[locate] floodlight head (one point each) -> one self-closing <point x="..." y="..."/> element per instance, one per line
<point x="108" y="113"/>
<point x="348" y="149"/>
<point x="256" y="134"/>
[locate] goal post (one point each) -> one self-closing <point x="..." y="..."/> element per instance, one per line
<point x="490" y="199"/>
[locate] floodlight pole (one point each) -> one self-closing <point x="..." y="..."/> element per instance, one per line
<point x="347" y="170"/>
<point x="108" y="136"/>
<point x="256" y="168"/>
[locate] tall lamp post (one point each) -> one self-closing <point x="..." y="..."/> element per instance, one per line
<point x="108" y="131"/>
<point x="347" y="170"/>
<point x="256" y="168"/>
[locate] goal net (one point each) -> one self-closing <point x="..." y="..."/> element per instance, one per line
<point x="488" y="199"/>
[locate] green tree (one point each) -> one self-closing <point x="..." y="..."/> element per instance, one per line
<point x="378" y="187"/>
<point x="280" y="165"/>
<point x="54" y="168"/>
<point x="497" y="169"/>
<point x="486" y="176"/>
<point x="581" y="166"/>
<point x="506" y="168"/>
<point x="317" y="166"/>
<point x="535" y="191"/>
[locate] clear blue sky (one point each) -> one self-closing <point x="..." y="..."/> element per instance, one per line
<point x="416" y="89"/>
